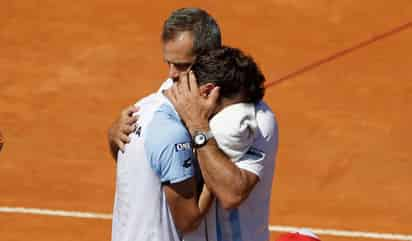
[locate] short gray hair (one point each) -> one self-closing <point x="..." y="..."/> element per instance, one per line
<point x="206" y="32"/>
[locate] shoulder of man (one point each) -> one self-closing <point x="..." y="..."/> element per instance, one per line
<point x="266" y="120"/>
<point x="263" y="150"/>
<point x="168" y="147"/>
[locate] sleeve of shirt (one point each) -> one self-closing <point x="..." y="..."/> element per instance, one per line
<point x="252" y="161"/>
<point x="169" y="149"/>
<point x="263" y="151"/>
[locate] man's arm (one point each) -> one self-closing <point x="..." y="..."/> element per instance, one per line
<point x="186" y="210"/>
<point x="229" y="183"/>
<point x="167" y="144"/>
<point x="120" y="129"/>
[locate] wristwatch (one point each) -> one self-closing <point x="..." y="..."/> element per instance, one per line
<point x="200" y="138"/>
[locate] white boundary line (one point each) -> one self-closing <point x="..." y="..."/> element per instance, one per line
<point x="272" y="228"/>
<point x="49" y="212"/>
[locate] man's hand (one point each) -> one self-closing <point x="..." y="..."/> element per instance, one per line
<point x="118" y="133"/>
<point x="193" y="107"/>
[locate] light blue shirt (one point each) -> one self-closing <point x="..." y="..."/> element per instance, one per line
<point x="159" y="152"/>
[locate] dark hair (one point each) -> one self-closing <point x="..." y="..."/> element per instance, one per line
<point x="233" y="71"/>
<point x="206" y="32"/>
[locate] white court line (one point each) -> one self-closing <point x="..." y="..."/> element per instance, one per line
<point x="49" y="212"/>
<point x="272" y="228"/>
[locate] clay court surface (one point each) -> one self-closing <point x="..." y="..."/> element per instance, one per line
<point x="68" y="67"/>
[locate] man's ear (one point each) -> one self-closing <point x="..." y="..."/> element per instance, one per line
<point x="206" y="89"/>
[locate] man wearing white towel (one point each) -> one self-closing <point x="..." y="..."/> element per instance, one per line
<point x="238" y="164"/>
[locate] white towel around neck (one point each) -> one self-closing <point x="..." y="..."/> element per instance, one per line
<point x="234" y="129"/>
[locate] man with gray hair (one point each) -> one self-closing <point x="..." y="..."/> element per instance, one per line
<point x="186" y="33"/>
<point x="242" y="188"/>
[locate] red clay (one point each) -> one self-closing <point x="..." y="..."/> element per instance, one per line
<point x="67" y="68"/>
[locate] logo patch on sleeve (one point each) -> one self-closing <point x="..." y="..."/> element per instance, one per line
<point x="255" y="152"/>
<point x="187" y="163"/>
<point x="183" y="146"/>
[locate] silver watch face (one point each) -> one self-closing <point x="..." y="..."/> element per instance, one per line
<point x="200" y="139"/>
